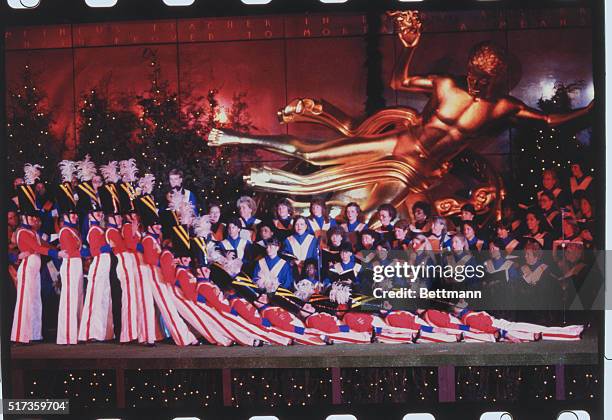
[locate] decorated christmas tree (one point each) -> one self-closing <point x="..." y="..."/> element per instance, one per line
<point x="174" y="136"/>
<point x="104" y="133"/>
<point x="29" y="124"/>
<point x="543" y="148"/>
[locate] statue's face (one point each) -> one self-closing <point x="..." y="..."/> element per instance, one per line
<point x="480" y="84"/>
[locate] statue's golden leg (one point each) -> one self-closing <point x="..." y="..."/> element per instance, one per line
<point x="338" y="178"/>
<point x="333" y="152"/>
<point x="323" y="113"/>
<point x="398" y="117"/>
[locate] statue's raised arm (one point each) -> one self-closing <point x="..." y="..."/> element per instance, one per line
<point x="409" y="29"/>
<point x="524" y="113"/>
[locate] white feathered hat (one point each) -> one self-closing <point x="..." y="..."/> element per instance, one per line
<point x="146" y="184"/>
<point x="86" y="169"/>
<point x="182" y="207"/>
<point x="109" y="172"/>
<point x="128" y="170"/>
<point x="67" y="170"/>
<point x="31" y="172"/>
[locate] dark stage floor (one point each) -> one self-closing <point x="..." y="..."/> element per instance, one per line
<point x="100" y="355"/>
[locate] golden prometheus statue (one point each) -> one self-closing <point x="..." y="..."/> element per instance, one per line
<point x="397" y="152"/>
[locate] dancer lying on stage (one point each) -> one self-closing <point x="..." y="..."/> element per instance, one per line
<point x="513" y="331"/>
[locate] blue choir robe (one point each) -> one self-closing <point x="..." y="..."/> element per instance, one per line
<point x="318" y="225"/>
<point x="276" y="267"/>
<point x="476" y="244"/>
<point x="340" y="269"/>
<point x="502" y="269"/>
<point x="302" y="247"/>
<point x="356" y="226"/>
<point x="241" y="246"/>
<point x="510" y="243"/>
<point x="248" y="227"/>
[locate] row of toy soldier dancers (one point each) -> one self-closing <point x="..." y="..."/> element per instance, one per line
<point x="199" y="293"/>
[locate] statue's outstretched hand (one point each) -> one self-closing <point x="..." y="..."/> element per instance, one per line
<point x="409" y="26"/>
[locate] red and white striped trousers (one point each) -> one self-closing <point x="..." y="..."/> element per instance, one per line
<point x="97" y="318"/>
<point x="71" y="301"/>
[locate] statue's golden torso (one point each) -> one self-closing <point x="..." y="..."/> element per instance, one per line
<point x="450" y="121"/>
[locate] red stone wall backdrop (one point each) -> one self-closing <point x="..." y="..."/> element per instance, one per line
<point x="277" y="58"/>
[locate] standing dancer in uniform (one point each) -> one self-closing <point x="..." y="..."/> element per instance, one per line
<point x="97" y="319"/>
<point x="130" y="231"/>
<point x="153" y="289"/>
<point x="71" y="271"/>
<point x="125" y="260"/>
<point x="27" y="319"/>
